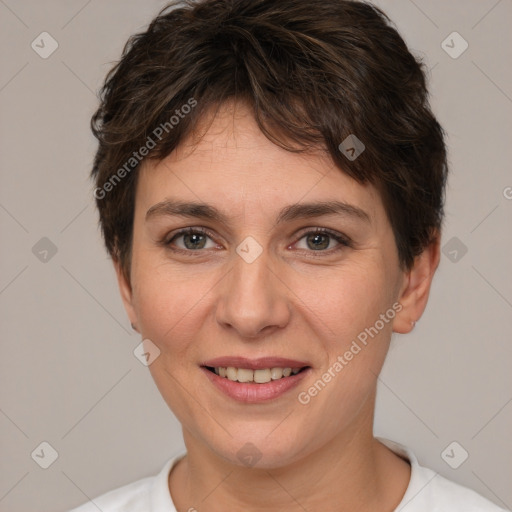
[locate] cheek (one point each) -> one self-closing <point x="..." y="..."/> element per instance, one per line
<point x="167" y="303"/>
<point x="343" y="302"/>
<point x="347" y="306"/>
<point x="169" y="307"/>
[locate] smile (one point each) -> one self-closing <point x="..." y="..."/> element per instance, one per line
<point x="255" y="380"/>
<point x="261" y="376"/>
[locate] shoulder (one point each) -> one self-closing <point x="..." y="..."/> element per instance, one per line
<point x="133" y="497"/>
<point x="443" y="495"/>
<point x="150" y="493"/>
<point x="428" y="491"/>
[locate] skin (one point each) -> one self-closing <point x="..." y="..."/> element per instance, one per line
<point x="293" y="301"/>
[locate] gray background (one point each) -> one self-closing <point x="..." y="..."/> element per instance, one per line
<point x="68" y="373"/>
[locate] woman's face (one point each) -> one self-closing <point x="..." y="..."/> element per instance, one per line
<point x="256" y="288"/>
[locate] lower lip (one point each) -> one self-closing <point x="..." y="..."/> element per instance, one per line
<point x="255" y="393"/>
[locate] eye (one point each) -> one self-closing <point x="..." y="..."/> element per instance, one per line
<point x="323" y="240"/>
<point x="192" y="239"/>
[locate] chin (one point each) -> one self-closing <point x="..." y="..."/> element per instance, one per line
<point x="261" y="450"/>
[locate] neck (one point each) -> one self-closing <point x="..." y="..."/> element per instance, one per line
<point x="352" y="472"/>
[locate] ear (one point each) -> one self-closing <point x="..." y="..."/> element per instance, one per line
<point x="415" y="289"/>
<point x="125" y="289"/>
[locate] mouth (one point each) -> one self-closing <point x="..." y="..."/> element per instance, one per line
<point x="260" y="376"/>
<point x="254" y="380"/>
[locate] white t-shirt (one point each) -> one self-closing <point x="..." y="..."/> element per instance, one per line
<point x="427" y="492"/>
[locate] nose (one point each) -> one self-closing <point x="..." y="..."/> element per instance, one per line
<point x="253" y="299"/>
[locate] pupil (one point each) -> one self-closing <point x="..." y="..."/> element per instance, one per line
<point x="195" y="239"/>
<point x="320" y="245"/>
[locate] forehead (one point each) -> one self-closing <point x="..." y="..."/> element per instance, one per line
<point x="228" y="161"/>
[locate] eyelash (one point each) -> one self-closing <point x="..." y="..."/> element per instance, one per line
<point x="343" y="240"/>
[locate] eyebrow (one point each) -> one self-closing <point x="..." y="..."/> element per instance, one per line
<point x="289" y="213"/>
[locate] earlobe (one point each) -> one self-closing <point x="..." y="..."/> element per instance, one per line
<point x="416" y="288"/>
<point x="125" y="290"/>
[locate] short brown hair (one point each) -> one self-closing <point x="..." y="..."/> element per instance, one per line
<point x="313" y="73"/>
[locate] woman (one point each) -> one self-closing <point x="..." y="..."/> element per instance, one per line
<point x="270" y="182"/>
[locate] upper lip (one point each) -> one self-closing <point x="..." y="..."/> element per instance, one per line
<point x="254" y="364"/>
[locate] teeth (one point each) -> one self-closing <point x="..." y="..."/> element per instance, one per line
<point x="258" y="376"/>
<point x="262" y="376"/>
<point x="244" y="375"/>
<point x="231" y="373"/>
<point x="276" y="373"/>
